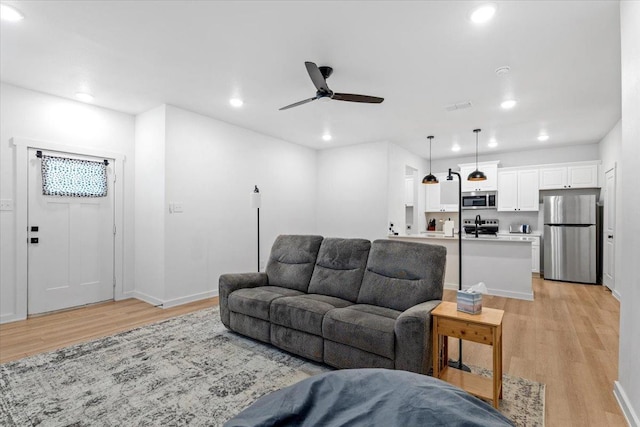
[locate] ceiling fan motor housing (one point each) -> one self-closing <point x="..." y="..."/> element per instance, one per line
<point x="325" y="71"/>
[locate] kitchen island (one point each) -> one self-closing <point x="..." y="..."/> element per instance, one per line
<point x="503" y="263"/>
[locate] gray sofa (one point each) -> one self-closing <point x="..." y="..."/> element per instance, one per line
<point x="348" y="303"/>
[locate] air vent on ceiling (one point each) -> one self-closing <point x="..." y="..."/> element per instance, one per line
<point x="458" y="106"/>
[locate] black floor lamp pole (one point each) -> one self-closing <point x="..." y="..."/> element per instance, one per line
<point x="256" y="202"/>
<point x="452" y="363"/>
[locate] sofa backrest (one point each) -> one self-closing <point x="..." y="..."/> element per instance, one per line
<point x="292" y="260"/>
<point x="400" y="275"/>
<point x="340" y="267"/>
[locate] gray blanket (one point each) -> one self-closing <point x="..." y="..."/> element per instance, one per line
<point x="369" y="397"/>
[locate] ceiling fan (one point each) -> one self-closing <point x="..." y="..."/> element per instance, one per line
<point x="319" y="76"/>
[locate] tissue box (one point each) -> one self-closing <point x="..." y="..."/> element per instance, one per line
<point x="469" y="302"/>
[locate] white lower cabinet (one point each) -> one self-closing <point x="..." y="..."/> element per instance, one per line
<point x="535" y="257"/>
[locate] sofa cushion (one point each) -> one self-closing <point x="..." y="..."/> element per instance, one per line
<point x="255" y="302"/>
<point x="340" y="267"/>
<point x="367" y="327"/>
<point x="292" y="260"/>
<point x="400" y="275"/>
<point x="346" y="357"/>
<point x="304" y="312"/>
<point x="297" y="342"/>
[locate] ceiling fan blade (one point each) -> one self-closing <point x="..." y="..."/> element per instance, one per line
<point x="298" y="103"/>
<point x="357" y="98"/>
<point x="316" y="77"/>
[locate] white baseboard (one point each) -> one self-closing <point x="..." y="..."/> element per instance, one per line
<point x="625" y="405"/>
<point x="146" y="298"/>
<point x="498" y="292"/>
<point x="527" y="296"/>
<point x="616" y="295"/>
<point x="11" y="317"/>
<point x="189" y="298"/>
<point x="452" y="286"/>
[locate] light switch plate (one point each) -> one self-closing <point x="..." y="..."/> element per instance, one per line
<point x="6" y="205"/>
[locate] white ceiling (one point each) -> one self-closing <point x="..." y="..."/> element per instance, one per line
<point x="420" y="56"/>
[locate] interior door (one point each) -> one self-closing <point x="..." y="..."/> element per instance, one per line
<point x="71" y="241"/>
<point x="608" y="248"/>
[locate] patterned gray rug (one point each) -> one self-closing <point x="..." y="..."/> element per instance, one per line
<point x="184" y="371"/>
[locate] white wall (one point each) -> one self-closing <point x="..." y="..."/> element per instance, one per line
<point x="37" y="116"/>
<point x="150" y="130"/>
<point x="628" y="385"/>
<point x="352" y="191"/>
<point x="544" y="155"/>
<point x="211" y="167"/>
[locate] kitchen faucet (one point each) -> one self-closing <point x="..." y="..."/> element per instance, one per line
<point x="478" y="222"/>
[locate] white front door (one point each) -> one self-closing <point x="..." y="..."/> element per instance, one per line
<point x="608" y="249"/>
<point x="71" y="242"/>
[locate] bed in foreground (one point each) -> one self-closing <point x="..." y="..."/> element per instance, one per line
<point x="369" y="397"/>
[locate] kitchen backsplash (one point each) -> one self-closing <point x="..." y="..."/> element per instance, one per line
<point x="534" y="219"/>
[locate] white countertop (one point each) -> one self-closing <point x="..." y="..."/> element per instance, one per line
<point x="501" y="237"/>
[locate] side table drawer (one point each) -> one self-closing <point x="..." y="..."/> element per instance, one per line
<point x="466" y="330"/>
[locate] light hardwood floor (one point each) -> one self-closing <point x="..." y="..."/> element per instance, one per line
<point x="567" y="338"/>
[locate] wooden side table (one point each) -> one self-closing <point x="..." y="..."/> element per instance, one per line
<point x="484" y="328"/>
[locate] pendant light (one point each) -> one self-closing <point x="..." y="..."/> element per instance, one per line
<point x="477" y="175"/>
<point x="430" y="179"/>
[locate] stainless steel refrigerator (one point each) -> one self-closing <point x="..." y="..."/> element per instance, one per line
<point x="570" y="238"/>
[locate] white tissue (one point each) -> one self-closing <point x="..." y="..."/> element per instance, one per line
<point x="478" y="288"/>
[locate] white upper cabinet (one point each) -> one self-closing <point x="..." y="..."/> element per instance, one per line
<point x="518" y="190"/>
<point x="584" y="175"/>
<point x="408" y="191"/>
<point x="432" y="197"/>
<point x="528" y="186"/>
<point x="553" y="178"/>
<point x="490" y="169"/>
<point x="508" y="190"/>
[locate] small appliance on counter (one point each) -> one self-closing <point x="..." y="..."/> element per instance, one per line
<point x="520" y="228"/>
<point x="447" y="227"/>
<point x="431" y="226"/>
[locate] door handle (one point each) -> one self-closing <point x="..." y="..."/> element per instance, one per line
<point x="610" y="236"/>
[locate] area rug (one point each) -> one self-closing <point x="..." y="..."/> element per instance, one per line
<point x="189" y="370"/>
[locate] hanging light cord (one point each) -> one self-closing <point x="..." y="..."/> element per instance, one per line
<point x="477" y="131"/>
<point x="430" y="140"/>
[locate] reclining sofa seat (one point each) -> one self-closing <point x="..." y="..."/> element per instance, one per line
<point x="291" y="263"/>
<point x="345" y="302"/>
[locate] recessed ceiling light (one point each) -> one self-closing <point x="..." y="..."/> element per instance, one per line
<point x="455" y="148"/>
<point x="492" y="143"/>
<point x="326" y="137"/>
<point x="508" y="104"/>
<point x="84" y="97"/>
<point x="10" y="14"/>
<point x="236" y="102"/>
<point x="543" y="137"/>
<point x="483" y="13"/>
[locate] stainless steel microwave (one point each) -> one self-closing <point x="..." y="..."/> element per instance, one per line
<point x="479" y="201"/>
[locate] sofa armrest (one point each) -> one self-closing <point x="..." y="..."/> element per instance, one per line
<point x="229" y="283"/>
<point x="413" y="338"/>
